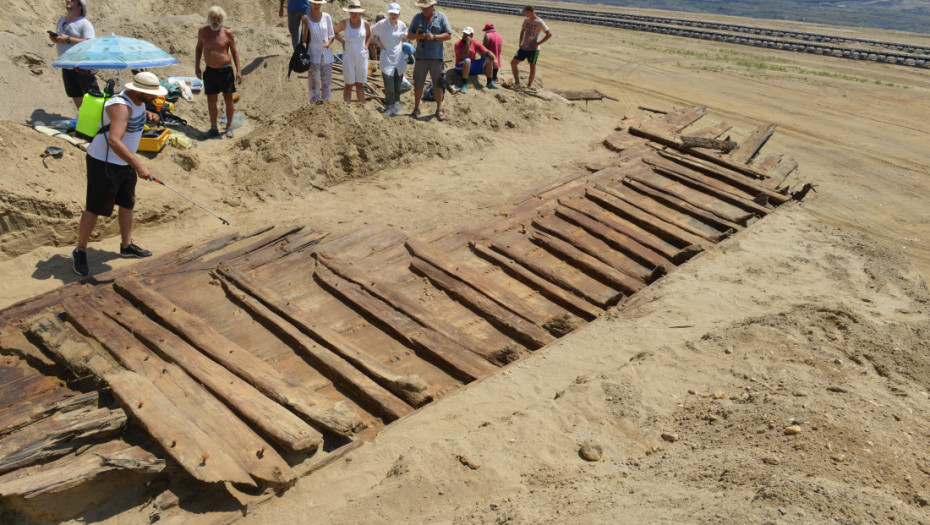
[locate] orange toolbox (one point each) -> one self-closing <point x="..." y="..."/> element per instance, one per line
<point x="154" y="139"/>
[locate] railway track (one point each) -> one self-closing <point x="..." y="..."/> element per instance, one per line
<point x="898" y="53"/>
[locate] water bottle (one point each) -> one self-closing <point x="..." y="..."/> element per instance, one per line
<point x="237" y="120"/>
<point x="65" y="124"/>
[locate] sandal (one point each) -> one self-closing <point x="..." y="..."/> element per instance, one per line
<point x="440" y="115"/>
<point x="415" y="113"/>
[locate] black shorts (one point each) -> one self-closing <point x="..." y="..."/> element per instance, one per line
<point x="79" y="81"/>
<point x="109" y="184"/>
<point x="219" y="80"/>
<point x="530" y="55"/>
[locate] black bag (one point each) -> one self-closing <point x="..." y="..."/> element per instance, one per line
<point x="300" y="60"/>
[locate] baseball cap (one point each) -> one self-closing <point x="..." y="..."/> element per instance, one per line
<point x="394" y="8"/>
<point x="468" y="31"/>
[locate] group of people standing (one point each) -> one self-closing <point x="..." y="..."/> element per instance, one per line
<point x="429" y="28"/>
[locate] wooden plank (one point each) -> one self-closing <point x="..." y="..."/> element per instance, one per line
<point x="241" y="362"/>
<point x="643" y="219"/>
<point x="13" y="342"/>
<point x="589" y="264"/>
<point x="33" y="409"/>
<point x="186" y="443"/>
<point x="656" y="209"/>
<point x="676" y="200"/>
<point x="682" y="177"/>
<point x="339" y="371"/>
<point x="407" y="306"/>
<point x="615" y="239"/>
<point x="479" y="282"/>
<point x="190" y="399"/>
<point x="711" y="132"/>
<point x="73" y="470"/>
<point x="664" y="247"/>
<point x="749" y="148"/>
<point x="410" y="388"/>
<point x="272" y="419"/>
<point x="509" y="322"/>
<point x="676" y="121"/>
<point x="726" y="174"/>
<point x="602" y="295"/>
<point x="554" y="293"/>
<point x="581" y="239"/>
<point x="58" y="435"/>
<point x="453" y="357"/>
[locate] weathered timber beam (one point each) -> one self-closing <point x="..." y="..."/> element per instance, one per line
<point x="327" y="362"/>
<point x="58" y="435"/>
<point x="656" y="209"/>
<point x="409" y="307"/>
<point x="589" y="264"/>
<point x="410" y="388"/>
<point x="643" y="219"/>
<point x="243" y="363"/>
<point x="480" y="283"/>
<point x="554" y="275"/>
<point x="740" y="202"/>
<point x="712" y="132"/>
<point x="616" y="240"/>
<point x="739" y="179"/>
<point x="554" y="293"/>
<point x="720" y="185"/>
<point x="186" y="443"/>
<point x="28" y="412"/>
<point x="643" y="236"/>
<point x="190" y="399"/>
<point x="750" y="147"/>
<point x="272" y="419"/>
<point x="13" y="342"/>
<point x="74" y="470"/>
<point x="455" y="358"/>
<point x="676" y="200"/>
<point x="581" y="239"/>
<point x="512" y="324"/>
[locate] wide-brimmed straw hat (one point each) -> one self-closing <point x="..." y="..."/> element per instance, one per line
<point x="354" y="7"/>
<point x="146" y="82"/>
<point x="422" y="4"/>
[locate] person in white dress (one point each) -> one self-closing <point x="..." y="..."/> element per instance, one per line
<point x="355" y="51"/>
<point x="317" y="35"/>
<point x="391" y="33"/>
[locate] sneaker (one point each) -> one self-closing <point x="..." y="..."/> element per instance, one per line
<point x="212" y="133"/>
<point x="133" y="251"/>
<point x="493" y="85"/>
<point x="464" y="88"/>
<point x="397" y="108"/>
<point x="229" y="132"/>
<point x="79" y="262"/>
<point x="390" y="111"/>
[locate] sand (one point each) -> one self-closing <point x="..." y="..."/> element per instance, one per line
<point x="815" y="317"/>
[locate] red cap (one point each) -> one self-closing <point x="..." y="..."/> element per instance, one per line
<point x="488" y="26"/>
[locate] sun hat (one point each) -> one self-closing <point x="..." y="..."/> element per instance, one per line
<point x="394" y="8"/>
<point x="83" y="7"/>
<point x="423" y="4"/>
<point x="488" y="26"/>
<point x="468" y="31"/>
<point x="354" y="7"/>
<point x="146" y="82"/>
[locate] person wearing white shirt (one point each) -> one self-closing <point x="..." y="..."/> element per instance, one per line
<point x="71" y="29"/>
<point x="317" y="34"/>
<point x="391" y="34"/>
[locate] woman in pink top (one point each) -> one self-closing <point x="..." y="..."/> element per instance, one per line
<point x="494" y="42"/>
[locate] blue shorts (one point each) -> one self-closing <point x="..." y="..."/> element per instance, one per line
<point x="477" y="67"/>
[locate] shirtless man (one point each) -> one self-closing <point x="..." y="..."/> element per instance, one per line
<point x="215" y="43"/>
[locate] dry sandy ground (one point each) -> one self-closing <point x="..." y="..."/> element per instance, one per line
<point x="816" y="316"/>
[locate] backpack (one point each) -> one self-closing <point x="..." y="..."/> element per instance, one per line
<point x="300" y="60"/>
<point x="428" y="94"/>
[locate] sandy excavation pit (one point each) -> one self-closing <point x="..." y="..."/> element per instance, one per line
<point x="397" y="236"/>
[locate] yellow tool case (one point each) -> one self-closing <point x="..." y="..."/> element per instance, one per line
<point x="154" y="139"/>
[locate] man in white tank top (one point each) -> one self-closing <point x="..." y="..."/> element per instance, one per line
<point x="112" y="166"/>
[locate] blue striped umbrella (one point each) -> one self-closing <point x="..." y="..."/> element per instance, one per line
<point x="114" y="52"/>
